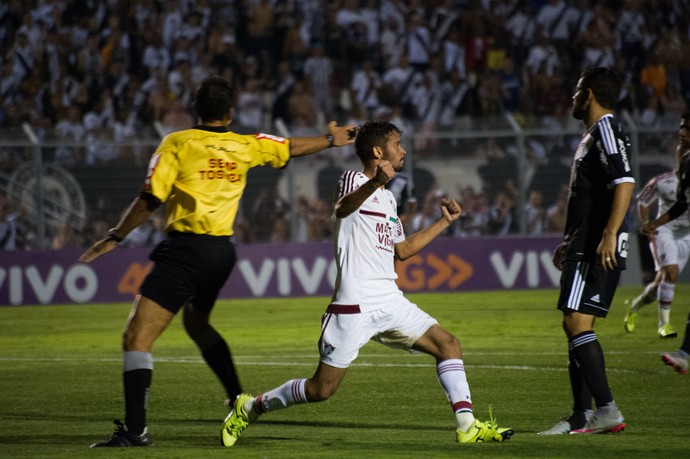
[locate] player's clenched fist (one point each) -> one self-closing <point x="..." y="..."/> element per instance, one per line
<point x="450" y="209"/>
<point x="384" y="172"/>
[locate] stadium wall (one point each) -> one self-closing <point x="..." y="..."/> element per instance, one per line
<point x="287" y="270"/>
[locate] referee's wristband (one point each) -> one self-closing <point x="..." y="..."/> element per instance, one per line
<point x="331" y="139"/>
<point x="112" y="235"/>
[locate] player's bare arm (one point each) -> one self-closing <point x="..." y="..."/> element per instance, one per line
<point x="383" y="174"/>
<point x="137" y="213"/>
<point x="450" y="212"/>
<point x="337" y="136"/>
<point x="622" y="194"/>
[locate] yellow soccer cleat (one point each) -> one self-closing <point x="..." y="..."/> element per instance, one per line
<point x="630" y="320"/>
<point x="480" y="432"/>
<point x="236" y="422"/>
<point x="667" y="331"/>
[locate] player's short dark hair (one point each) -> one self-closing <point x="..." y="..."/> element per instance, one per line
<point x="214" y="97"/>
<point x="685" y="115"/>
<point x="604" y="83"/>
<point x="373" y="133"/>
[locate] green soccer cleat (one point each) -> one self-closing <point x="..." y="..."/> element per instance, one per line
<point x="236" y="421"/>
<point x="630" y="320"/>
<point x="480" y="432"/>
<point x="667" y="331"/>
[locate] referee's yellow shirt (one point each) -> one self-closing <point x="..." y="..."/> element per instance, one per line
<point x="201" y="174"/>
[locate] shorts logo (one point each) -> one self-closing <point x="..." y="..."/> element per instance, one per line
<point x="327" y="349"/>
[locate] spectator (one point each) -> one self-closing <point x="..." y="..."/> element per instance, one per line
<point x="318" y="71"/>
<point x="69" y="128"/>
<point x="281" y="92"/>
<point x="520" y="28"/>
<point x="250" y="106"/>
<point x="534" y="213"/>
<point x="366" y="84"/>
<point x="500" y="216"/>
<point x="556" y="213"/>
<point x="419" y="42"/>
<point x="8" y="225"/>
<point x="301" y="105"/>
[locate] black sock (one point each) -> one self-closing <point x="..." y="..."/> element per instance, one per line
<point x="590" y="358"/>
<point x="582" y="397"/>
<point x="218" y="357"/>
<point x="686" y="339"/>
<point x="136" y="384"/>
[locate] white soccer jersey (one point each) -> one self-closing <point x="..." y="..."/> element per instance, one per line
<point x="663" y="189"/>
<point x="364" y="244"/>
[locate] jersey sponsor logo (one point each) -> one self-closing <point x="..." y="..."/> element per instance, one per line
<point x="221" y="169"/>
<point x="274" y="138"/>
<point x="623" y="245"/>
<point x="624" y="154"/>
<point x="384" y="237"/>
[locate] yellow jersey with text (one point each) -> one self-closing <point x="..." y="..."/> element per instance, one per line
<point x="201" y="173"/>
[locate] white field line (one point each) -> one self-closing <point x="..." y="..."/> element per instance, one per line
<point x="313" y="360"/>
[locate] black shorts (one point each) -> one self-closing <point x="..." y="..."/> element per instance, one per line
<point x="587" y="288"/>
<point x="189" y="268"/>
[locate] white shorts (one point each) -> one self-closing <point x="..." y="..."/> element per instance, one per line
<point x="668" y="250"/>
<point x="344" y="329"/>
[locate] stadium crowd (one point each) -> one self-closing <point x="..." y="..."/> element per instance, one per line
<point x="76" y="69"/>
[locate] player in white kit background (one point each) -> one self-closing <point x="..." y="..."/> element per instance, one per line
<point x="670" y="249"/>
<point x="367" y="303"/>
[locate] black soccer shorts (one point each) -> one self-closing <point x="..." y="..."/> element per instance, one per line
<point x="189" y="268"/>
<point x="587" y="288"/>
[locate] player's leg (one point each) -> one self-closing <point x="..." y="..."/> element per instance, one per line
<point x="450" y="369"/>
<point x="658" y="246"/>
<point x="344" y="330"/>
<point x="586" y="293"/>
<point x="648" y="295"/>
<point x="665" y="295"/>
<point x="145" y="324"/>
<point x="209" y="277"/>
<point x="213" y="348"/>
<point x="679" y="359"/>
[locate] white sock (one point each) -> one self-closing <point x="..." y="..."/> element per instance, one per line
<point x="451" y="375"/>
<point x="648" y="295"/>
<point x="665" y="297"/>
<point x="290" y="393"/>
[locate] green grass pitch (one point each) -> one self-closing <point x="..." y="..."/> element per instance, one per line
<point x="60" y="383"/>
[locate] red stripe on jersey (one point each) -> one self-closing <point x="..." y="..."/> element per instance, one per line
<point x="343" y="309"/>
<point x="348" y="182"/>
<point x="374" y="214"/>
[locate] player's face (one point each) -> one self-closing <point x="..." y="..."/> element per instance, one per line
<point x="394" y="152"/>
<point x="580" y="104"/>
<point x="684" y="134"/>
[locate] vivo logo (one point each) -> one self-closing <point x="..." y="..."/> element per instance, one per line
<point x="78" y="282"/>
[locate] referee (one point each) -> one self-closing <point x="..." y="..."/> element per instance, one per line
<point x="200" y="173"/>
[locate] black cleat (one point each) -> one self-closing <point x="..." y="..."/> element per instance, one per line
<point x="122" y="438"/>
